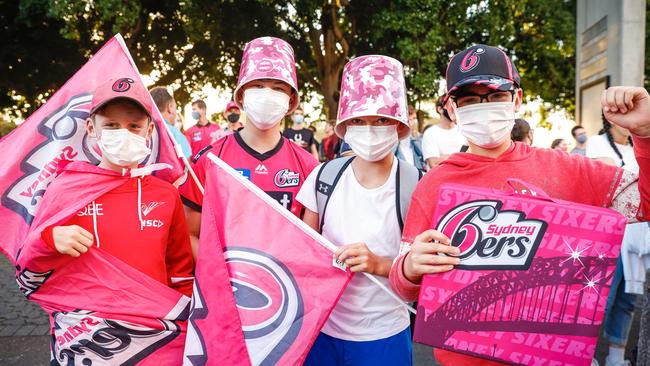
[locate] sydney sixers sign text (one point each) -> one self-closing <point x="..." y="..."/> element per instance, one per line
<point x="489" y="238"/>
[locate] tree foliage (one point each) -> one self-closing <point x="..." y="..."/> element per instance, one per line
<point x="191" y="43"/>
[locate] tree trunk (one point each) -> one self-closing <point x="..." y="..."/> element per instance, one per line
<point x="330" y="50"/>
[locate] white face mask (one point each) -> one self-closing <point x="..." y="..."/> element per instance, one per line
<point x="265" y="107"/>
<point x="372" y="143"/>
<point x="486" y="124"/>
<point x="122" y="147"/>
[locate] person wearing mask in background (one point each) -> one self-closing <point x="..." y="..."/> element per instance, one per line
<point x="485" y="92"/>
<point x="614" y="146"/>
<point x="300" y="135"/>
<point x="359" y="215"/>
<point x="522" y="132"/>
<point x="267" y="90"/>
<point x="441" y="140"/>
<point x="204" y="132"/>
<point x="410" y="149"/>
<point x="233" y="117"/>
<point x="232" y="114"/>
<point x="560" y="144"/>
<point x="330" y="144"/>
<point x="167" y="107"/>
<point x="580" y="135"/>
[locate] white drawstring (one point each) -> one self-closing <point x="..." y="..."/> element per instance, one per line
<point x="140" y="204"/>
<point x="95" y="223"/>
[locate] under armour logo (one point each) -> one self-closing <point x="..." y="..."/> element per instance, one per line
<point x="323" y="188"/>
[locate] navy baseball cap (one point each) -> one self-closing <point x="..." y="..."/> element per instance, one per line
<point x="481" y="65"/>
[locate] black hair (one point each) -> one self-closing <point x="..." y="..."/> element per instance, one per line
<point x="574" y="129"/>
<point x="520" y="130"/>
<point x="556" y="143"/>
<point x="607" y="127"/>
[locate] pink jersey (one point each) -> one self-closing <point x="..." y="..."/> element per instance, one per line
<point x="202" y="136"/>
<point x="279" y="172"/>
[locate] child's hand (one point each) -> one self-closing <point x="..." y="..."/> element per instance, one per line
<point x="359" y="258"/>
<point x="424" y="259"/>
<point x="72" y="240"/>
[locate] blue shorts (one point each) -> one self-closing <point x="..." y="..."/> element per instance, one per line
<point x="329" y="351"/>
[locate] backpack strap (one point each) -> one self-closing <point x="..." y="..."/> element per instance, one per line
<point x="326" y="180"/>
<point x="406" y="179"/>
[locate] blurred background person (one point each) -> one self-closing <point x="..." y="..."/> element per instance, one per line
<point x="312" y="128"/>
<point x="410" y="149"/>
<point x="167" y="107"/>
<point x="204" y="132"/>
<point x="580" y="135"/>
<point x="560" y="144"/>
<point x="522" y="132"/>
<point x="331" y="143"/>
<point x="441" y="140"/>
<point x="613" y="145"/>
<point x="300" y="135"/>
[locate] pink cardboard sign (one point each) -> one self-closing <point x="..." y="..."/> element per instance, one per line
<point x="533" y="281"/>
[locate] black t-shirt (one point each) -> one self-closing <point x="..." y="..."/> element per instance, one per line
<point x="304" y="138"/>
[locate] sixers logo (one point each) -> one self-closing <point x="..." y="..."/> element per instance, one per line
<point x="66" y="138"/>
<point x="265" y="66"/>
<point x="471" y="60"/>
<point x="270" y="303"/>
<point x="122" y="85"/>
<point x="489" y="238"/>
<point x="286" y="178"/>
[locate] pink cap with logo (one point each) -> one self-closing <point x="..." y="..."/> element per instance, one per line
<point x="268" y="58"/>
<point x="126" y="88"/>
<point x="231" y="105"/>
<point x="373" y="86"/>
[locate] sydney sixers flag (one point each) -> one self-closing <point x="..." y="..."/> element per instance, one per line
<point x="57" y="132"/>
<point x="282" y="278"/>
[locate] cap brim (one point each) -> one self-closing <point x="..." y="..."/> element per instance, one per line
<point x="137" y="102"/>
<point x="491" y="81"/>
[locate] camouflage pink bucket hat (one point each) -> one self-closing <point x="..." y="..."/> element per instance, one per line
<point x="373" y="86"/>
<point x="268" y="58"/>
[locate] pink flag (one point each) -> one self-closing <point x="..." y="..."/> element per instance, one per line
<point x="282" y="277"/>
<point x="102" y="310"/>
<point x="57" y="132"/>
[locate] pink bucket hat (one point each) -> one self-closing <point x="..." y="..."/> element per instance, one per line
<point x="268" y="58"/>
<point x="373" y="86"/>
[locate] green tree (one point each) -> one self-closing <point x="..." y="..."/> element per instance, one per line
<point x="538" y="35"/>
<point x="195" y="42"/>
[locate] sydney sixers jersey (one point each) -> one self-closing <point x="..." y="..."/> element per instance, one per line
<point x="279" y="172"/>
<point x="202" y="136"/>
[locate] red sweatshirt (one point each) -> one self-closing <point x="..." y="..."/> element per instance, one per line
<point x="567" y="177"/>
<point x="159" y="246"/>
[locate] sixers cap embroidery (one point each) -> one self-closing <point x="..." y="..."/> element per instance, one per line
<point x="481" y="65"/>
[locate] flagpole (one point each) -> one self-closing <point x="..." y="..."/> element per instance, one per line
<point x="299" y="223"/>
<point x="177" y="147"/>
